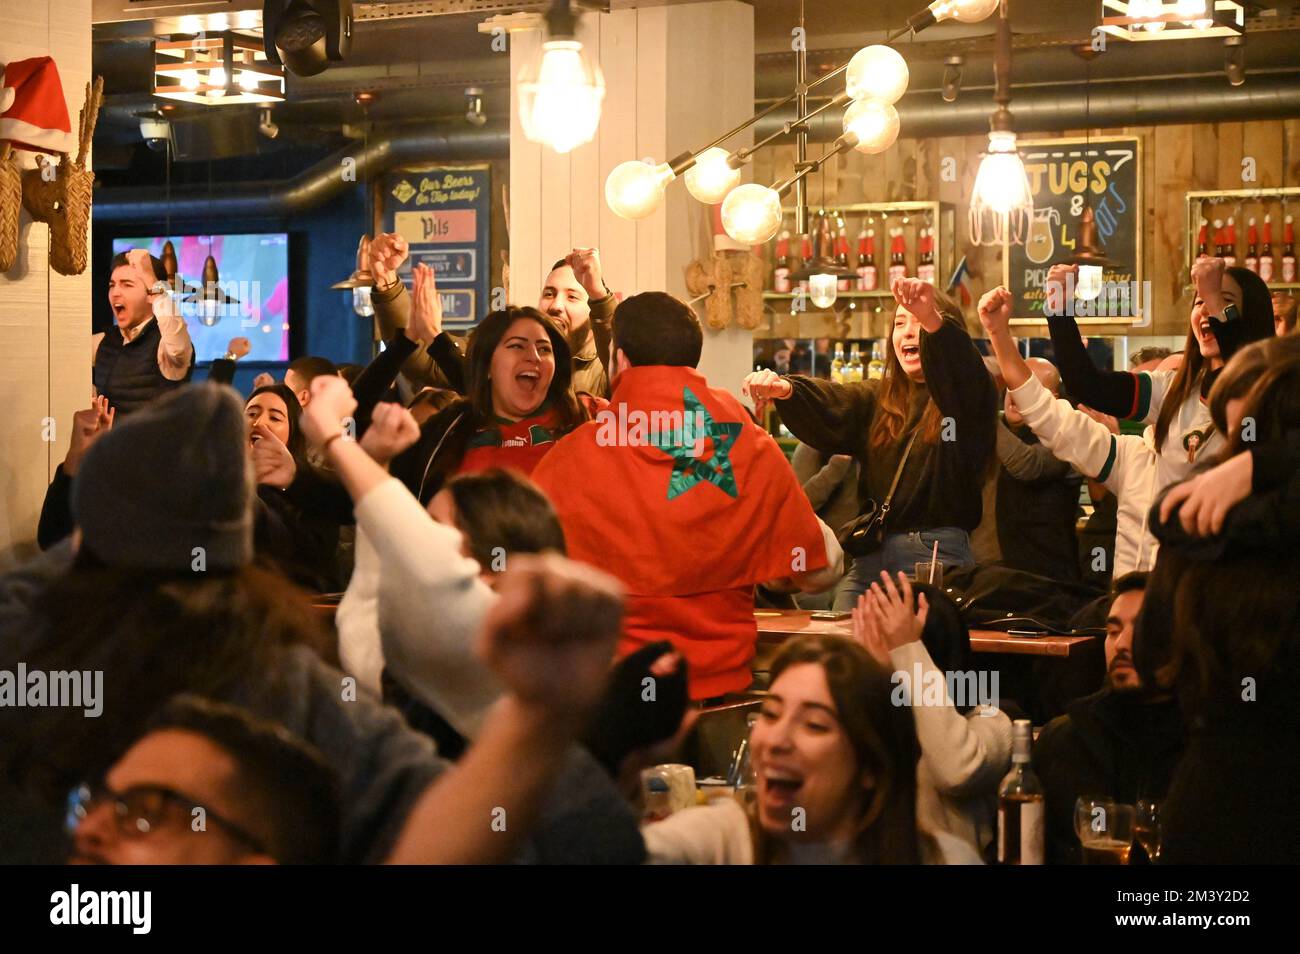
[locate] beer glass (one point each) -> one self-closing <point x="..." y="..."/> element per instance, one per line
<point x="1105" y="829"/>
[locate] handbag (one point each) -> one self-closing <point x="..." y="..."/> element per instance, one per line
<point x="866" y="533"/>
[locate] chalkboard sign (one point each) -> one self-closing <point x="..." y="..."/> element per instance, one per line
<point x="445" y="216"/>
<point x="1062" y="173"/>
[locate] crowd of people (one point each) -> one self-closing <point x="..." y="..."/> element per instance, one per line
<point x="549" y="542"/>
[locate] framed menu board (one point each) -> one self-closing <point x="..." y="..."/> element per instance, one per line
<point x="444" y="213"/>
<point x="1107" y="172"/>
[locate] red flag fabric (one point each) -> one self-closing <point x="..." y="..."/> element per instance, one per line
<point x="675" y="491"/>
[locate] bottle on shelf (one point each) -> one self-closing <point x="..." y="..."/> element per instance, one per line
<point x="1252" y="247"/>
<point x="1021" y="804"/>
<point x="853" y="369"/>
<point x="1288" y="250"/>
<point x="1230" y="240"/>
<point x="876" y="369"/>
<point x="1220" y="240"/>
<point x="897" y="256"/>
<point x="925" y="265"/>
<point x="781" y="274"/>
<point x="805" y="259"/>
<point x="1266" y="253"/>
<point x="867" y="279"/>
<point x="1201" y="247"/>
<point x="842" y="261"/>
<point x="837" y="364"/>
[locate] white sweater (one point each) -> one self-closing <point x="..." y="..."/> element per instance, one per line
<point x="963" y="757"/>
<point x="415" y="603"/>
<point x="1128" y="466"/>
<point x="718" y="834"/>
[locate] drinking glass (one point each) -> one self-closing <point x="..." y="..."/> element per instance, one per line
<point x="1149" y="828"/>
<point x="1105" y="829"/>
<point x="921" y="574"/>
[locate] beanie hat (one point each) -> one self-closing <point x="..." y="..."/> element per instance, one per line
<point x="170" y="488"/>
<point x="37" y="115"/>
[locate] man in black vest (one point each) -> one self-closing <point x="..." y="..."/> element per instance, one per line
<point x="149" y="352"/>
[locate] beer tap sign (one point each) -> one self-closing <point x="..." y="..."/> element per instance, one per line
<point x="445" y="215"/>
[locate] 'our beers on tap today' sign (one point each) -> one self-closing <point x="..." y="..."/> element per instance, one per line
<point x="445" y="216"/>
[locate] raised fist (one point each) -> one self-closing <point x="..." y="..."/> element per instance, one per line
<point x="387" y="253"/>
<point x="995" y="310"/>
<point x="1058" y="278"/>
<point x="392" y="430"/>
<point x="550" y="635"/>
<point x="585" y="263"/>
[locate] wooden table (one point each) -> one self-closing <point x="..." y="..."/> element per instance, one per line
<point x="776" y="626"/>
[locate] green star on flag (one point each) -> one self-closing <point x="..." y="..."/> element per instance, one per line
<point x="688" y="469"/>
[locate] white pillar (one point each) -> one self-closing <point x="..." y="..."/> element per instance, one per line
<point x="676" y="77"/>
<point x="44" y="316"/>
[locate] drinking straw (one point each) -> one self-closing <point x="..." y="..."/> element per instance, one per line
<point x="933" y="557"/>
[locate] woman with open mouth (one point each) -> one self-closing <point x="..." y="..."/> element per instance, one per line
<point x="302" y="543"/>
<point x="835" y="768"/>
<point x="520" y="398"/>
<point x="1231" y="307"/>
<point x="926" y="430"/>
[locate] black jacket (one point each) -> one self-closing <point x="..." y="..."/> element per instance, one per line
<point x="942" y="482"/>
<point x="1110" y="744"/>
<point x="1036" y="518"/>
<point x="427" y="464"/>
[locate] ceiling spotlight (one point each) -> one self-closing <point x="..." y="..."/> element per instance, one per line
<point x="307" y="35"/>
<point x="155" y="130"/>
<point x="1234" y="59"/>
<point x="474" y="114"/>
<point x="952" y="77"/>
<point x="266" y="125"/>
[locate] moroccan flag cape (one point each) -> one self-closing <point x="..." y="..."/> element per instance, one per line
<point x="673" y="489"/>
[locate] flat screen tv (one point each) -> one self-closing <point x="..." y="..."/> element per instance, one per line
<point x="250" y="298"/>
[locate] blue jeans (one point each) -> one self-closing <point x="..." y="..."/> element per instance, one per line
<point x="900" y="554"/>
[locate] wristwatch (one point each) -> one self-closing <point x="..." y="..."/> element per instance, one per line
<point x="159" y="287"/>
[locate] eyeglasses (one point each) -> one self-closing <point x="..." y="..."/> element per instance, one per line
<point x="143" y="809"/>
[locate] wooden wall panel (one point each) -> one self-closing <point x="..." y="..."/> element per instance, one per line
<point x="44" y="317"/>
<point x="1177" y="159"/>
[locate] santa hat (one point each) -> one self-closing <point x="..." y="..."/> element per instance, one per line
<point x="35" y="114"/>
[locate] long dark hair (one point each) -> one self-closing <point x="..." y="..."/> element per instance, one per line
<point x="297" y="443"/>
<point x="1267" y="375"/>
<point x="1190" y="378"/>
<point x="152" y="635"/>
<point x="502" y="512"/>
<point x="946" y="636"/>
<point x="894" y="399"/>
<point x="884" y="741"/>
<point x="483" y="344"/>
<point x="1206" y="627"/>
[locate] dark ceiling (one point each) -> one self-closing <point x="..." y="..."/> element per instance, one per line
<point x="419" y="67"/>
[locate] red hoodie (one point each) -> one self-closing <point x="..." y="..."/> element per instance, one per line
<point x="676" y="491"/>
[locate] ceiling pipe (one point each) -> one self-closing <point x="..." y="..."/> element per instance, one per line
<point x="1054" y="108"/>
<point x="310" y="188"/>
<point x="924" y="115"/>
